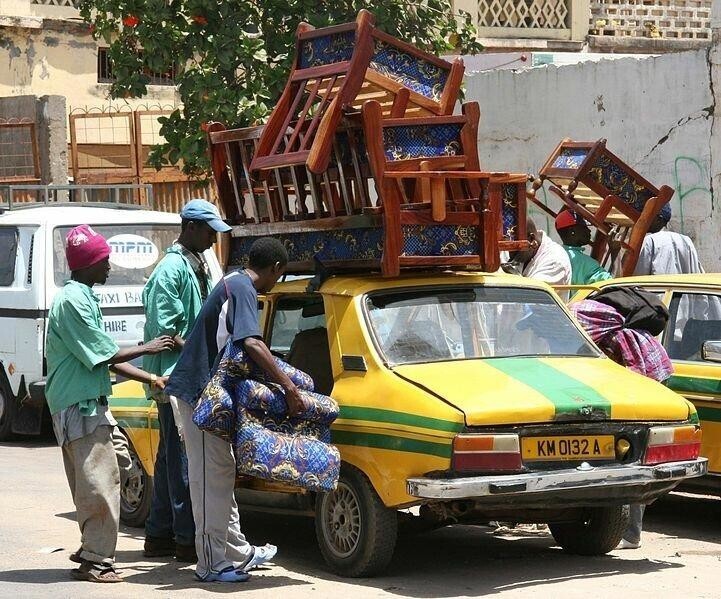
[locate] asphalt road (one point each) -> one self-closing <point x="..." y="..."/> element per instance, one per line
<point x="680" y="557"/>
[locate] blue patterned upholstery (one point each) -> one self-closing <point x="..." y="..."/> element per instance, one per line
<point x="439" y="240"/>
<point x="327" y="49"/>
<point x="366" y="243"/>
<point x="570" y="158"/>
<point x="252" y="416"/>
<point x="619" y="182"/>
<point x="414" y="73"/>
<point x="421" y="141"/>
<point x="510" y="211"/>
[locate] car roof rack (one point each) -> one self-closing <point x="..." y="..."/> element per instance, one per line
<point x="131" y="196"/>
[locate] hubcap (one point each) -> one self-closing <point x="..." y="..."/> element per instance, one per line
<point x="131" y="493"/>
<point x="342" y="520"/>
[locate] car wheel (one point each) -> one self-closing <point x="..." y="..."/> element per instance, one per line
<point x="599" y="532"/>
<point x="8" y="409"/>
<point x="355" y="531"/>
<point x="136" y="492"/>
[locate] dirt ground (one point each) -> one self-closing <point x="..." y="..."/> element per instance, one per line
<point x="680" y="557"/>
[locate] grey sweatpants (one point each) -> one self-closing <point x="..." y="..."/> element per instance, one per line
<point x="92" y="471"/>
<point x="219" y="542"/>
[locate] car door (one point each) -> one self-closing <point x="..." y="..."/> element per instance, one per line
<point x="695" y="319"/>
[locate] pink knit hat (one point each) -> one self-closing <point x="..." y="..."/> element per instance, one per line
<point x="84" y="247"/>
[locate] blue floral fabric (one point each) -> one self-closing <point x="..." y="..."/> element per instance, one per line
<point x="510" y="211"/>
<point x="366" y="243"/>
<point x="328" y="49"/>
<point x="420" y="76"/>
<point x="620" y="182"/>
<point x="242" y="407"/>
<point x="422" y="141"/>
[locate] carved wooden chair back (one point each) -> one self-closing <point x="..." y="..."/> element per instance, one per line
<point x="336" y="70"/>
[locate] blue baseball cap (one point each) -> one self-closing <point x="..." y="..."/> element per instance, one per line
<point x="202" y="210"/>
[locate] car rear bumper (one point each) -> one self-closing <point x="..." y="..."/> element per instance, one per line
<point x="581" y="485"/>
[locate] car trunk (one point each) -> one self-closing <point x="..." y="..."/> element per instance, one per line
<point x="501" y="391"/>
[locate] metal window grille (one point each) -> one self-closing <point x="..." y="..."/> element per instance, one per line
<point x="105" y="71"/>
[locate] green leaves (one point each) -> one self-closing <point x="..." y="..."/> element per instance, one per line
<point x="232" y="57"/>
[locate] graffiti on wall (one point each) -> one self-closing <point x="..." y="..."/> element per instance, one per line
<point x="691" y="182"/>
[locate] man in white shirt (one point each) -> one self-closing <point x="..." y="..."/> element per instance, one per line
<point x="667" y="253"/>
<point x="545" y="260"/>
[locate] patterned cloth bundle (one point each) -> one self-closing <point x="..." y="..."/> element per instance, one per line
<point x="637" y="350"/>
<point x="241" y="406"/>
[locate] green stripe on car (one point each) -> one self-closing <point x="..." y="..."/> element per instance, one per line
<point x="391" y="417"/>
<point x="709" y="414"/>
<point x="571" y="397"/>
<point x="693" y="384"/>
<point x="392" y="442"/>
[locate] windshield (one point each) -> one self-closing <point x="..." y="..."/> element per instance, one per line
<point x="136" y="249"/>
<point x="461" y="323"/>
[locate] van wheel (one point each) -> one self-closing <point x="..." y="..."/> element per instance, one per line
<point x="8" y="409"/>
<point x="136" y="492"/>
<point x="355" y="531"/>
<point x="599" y="532"/>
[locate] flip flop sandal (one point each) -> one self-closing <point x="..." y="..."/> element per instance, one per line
<point x="75" y="556"/>
<point x="91" y="572"/>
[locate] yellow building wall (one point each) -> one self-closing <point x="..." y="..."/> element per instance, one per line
<point x="60" y="57"/>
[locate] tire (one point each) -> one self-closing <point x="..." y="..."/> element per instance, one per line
<point x="136" y="493"/>
<point x="356" y="533"/>
<point x="8" y="410"/>
<point x="599" y="532"/>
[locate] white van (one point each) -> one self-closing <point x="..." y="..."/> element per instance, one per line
<point x="33" y="269"/>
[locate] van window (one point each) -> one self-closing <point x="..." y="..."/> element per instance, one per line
<point x="136" y="249"/>
<point x="9" y="249"/>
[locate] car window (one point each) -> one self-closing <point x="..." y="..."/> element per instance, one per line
<point x="136" y="249"/>
<point x="9" y="248"/>
<point x="694" y="319"/>
<point x="472" y="322"/>
<point x="292" y="315"/>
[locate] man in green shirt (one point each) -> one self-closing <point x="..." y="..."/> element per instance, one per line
<point x="172" y="298"/>
<point x="79" y="355"/>
<point x="575" y="234"/>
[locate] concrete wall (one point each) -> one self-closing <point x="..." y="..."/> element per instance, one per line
<point x="657" y="114"/>
<point x="60" y="57"/>
<point x="49" y="113"/>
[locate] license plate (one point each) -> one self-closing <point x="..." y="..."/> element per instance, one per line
<point x="587" y="447"/>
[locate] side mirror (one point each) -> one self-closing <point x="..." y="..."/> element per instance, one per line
<point x="711" y="351"/>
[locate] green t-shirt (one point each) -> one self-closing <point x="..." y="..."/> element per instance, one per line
<point x="77" y="349"/>
<point x="584" y="269"/>
<point x="172" y="300"/>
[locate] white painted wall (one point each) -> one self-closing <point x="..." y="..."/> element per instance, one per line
<point x="657" y="114"/>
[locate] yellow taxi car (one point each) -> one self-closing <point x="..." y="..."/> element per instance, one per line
<point x="693" y="341"/>
<point x="473" y="398"/>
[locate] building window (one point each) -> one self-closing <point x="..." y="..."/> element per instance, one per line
<point x="105" y="71"/>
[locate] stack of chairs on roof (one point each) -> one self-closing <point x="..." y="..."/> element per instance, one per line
<point x="362" y="164"/>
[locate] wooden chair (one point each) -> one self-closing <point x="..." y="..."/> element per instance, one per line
<point x="449" y="194"/>
<point x="608" y="193"/>
<point x="336" y="70"/>
<point x="292" y="192"/>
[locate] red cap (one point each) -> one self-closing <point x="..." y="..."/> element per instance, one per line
<point x="567" y="218"/>
<point x="84" y="247"/>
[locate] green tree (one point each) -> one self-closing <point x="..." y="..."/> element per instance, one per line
<point x="232" y="57"/>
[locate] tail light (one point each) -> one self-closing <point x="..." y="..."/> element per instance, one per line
<point x="486" y="452"/>
<point x="672" y="444"/>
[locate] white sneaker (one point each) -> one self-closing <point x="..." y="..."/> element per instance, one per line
<point x="624" y="544"/>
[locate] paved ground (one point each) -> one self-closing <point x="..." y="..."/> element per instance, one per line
<point x="681" y="555"/>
